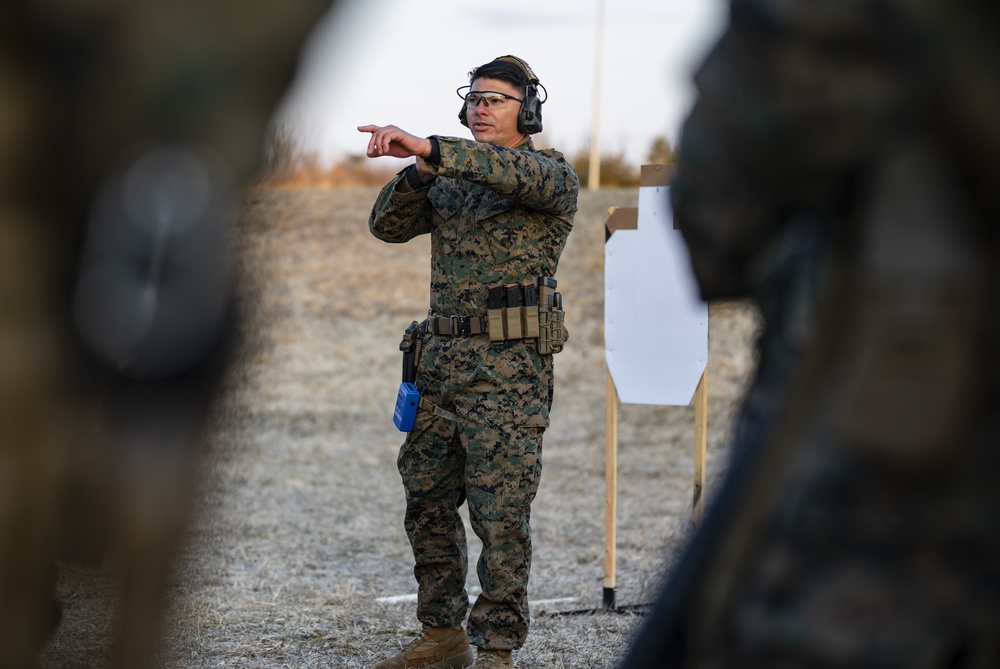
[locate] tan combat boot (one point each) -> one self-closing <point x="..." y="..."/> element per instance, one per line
<point x="493" y="659"/>
<point x="438" y="648"/>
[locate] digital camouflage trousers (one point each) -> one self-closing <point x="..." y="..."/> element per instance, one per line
<point x="492" y="458"/>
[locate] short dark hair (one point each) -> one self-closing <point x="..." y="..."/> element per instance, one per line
<point x="504" y="70"/>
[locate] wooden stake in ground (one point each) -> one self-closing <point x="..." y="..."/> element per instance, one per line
<point x="610" y="492"/>
<point x="700" y="439"/>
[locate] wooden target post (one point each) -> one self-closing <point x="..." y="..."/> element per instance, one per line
<point x="700" y="442"/>
<point x="650" y="292"/>
<point x="610" y="492"/>
<point x="611" y="476"/>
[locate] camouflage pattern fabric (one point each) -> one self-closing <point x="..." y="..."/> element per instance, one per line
<point x="858" y="523"/>
<point x="494" y="214"/>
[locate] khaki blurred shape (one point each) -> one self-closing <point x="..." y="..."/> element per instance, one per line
<point x="842" y="168"/>
<point x="95" y="454"/>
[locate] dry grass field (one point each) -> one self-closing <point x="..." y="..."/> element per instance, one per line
<point x="297" y="555"/>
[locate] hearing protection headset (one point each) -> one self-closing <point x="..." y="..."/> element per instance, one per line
<point x="529" y="116"/>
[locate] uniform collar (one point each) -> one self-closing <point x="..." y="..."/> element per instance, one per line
<point x="526" y="144"/>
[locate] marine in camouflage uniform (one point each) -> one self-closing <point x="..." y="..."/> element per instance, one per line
<point x="496" y="214"/>
<point x="859" y="524"/>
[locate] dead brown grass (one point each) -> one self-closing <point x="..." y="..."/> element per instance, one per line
<point x="298" y="531"/>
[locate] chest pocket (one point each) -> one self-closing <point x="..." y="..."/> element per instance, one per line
<point x="492" y="204"/>
<point x="446" y="198"/>
<point x="507" y="227"/>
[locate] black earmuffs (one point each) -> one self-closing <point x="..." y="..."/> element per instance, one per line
<point x="529" y="116"/>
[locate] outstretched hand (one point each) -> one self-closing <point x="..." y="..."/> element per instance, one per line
<point x="389" y="140"/>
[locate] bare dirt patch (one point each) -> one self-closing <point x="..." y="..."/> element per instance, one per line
<point x="298" y="535"/>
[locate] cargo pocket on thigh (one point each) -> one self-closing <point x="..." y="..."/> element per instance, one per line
<point x="429" y="432"/>
<point x="524" y="462"/>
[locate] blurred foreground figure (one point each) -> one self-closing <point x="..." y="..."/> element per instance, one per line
<point x="126" y="129"/>
<point x="842" y="167"/>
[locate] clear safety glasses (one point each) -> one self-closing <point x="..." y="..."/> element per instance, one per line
<point x="489" y="98"/>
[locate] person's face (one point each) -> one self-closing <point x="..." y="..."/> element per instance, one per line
<point x="496" y="123"/>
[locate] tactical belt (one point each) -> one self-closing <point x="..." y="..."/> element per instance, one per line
<point x="457" y="326"/>
<point x="529" y="311"/>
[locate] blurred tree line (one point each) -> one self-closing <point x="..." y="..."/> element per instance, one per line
<point x="616" y="170"/>
<point x="287" y="163"/>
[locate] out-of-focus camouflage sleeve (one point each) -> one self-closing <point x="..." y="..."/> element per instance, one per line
<point x="782" y="121"/>
<point x="399" y="215"/>
<point x="540" y="180"/>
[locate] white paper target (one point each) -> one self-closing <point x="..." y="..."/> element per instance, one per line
<point x="655" y="324"/>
